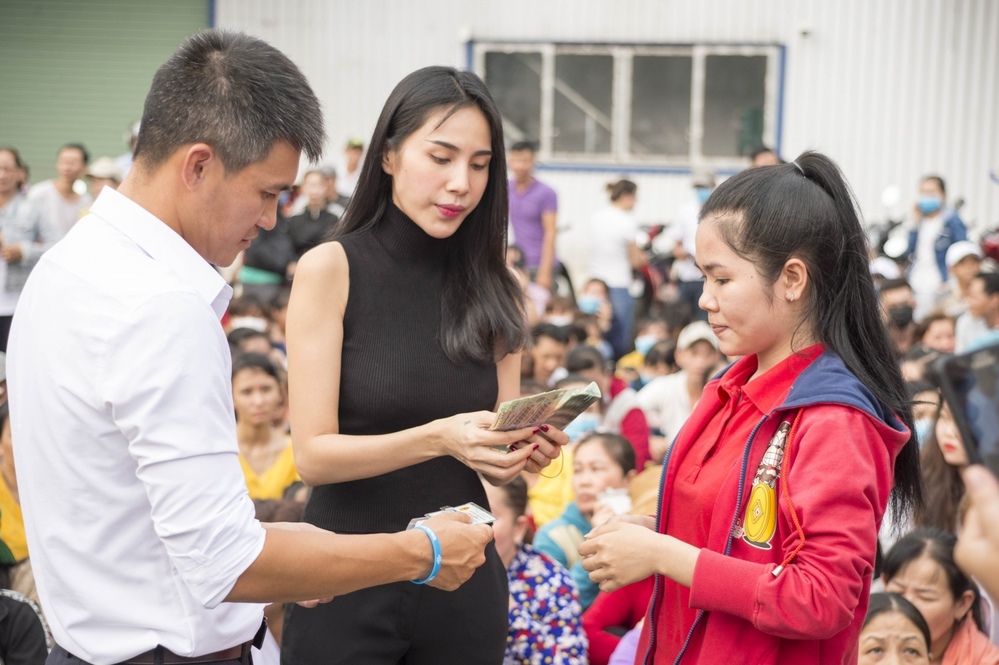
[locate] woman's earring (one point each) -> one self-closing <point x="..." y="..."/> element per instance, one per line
<point x="790" y="297"/>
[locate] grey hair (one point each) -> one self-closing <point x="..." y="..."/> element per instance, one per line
<point x="234" y="92"/>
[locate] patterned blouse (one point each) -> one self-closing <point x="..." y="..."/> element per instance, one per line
<point x="545" y="626"/>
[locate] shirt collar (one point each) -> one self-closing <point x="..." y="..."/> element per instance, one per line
<point x="163" y="245"/>
<point x="769" y="390"/>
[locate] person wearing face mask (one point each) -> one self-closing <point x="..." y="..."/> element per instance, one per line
<point x="621" y="411"/>
<point x="897" y="307"/>
<point x="685" y="270"/>
<point x="650" y="331"/>
<point x="934" y="227"/>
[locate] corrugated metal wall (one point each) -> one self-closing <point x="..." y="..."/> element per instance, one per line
<point x="891" y="88"/>
<point x="75" y="71"/>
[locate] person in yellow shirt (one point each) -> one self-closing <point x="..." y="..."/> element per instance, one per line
<point x="13" y="543"/>
<point x="264" y="450"/>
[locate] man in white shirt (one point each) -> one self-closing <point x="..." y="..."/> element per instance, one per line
<point x="144" y="544"/>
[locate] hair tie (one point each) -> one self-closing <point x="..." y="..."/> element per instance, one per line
<point x="800" y="170"/>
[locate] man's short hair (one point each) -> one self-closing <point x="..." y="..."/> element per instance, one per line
<point x="76" y="146"/>
<point x="551" y="331"/>
<point x="990" y="280"/>
<point x="892" y="284"/>
<point x="520" y="146"/>
<point x="234" y="92"/>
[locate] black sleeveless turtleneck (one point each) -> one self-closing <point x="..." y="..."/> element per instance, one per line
<point x="394" y="375"/>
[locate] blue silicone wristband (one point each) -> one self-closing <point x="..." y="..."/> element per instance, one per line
<point x="436" y="544"/>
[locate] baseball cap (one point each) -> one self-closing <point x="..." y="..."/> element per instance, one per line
<point x="696" y="332"/>
<point x="961" y="250"/>
<point x="105" y="168"/>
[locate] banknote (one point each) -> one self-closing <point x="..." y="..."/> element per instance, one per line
<point x="556" y="407"/>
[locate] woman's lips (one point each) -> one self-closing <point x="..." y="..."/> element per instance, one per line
<point x="450" y="211"/>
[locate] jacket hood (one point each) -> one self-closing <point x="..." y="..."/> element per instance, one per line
<point x="827" y="380"/>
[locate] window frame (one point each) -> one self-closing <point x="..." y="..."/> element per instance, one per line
<point x="622" y="85"/>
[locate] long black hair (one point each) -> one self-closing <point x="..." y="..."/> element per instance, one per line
<point x="942" y="483"/>
<point x="482" y="305"/>
<point x="806" y="210"/>
<point x="938" y="545"/>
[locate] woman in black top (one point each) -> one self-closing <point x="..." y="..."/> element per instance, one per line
<point x="407" y="319"/>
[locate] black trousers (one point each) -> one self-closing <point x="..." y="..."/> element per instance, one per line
<point x="405" y="624"/>
<point x="59" y="656"/>
<point x="4" y="331"/>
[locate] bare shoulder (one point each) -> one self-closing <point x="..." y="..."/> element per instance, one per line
<point x="325" y="261"/>
<point x="322" y="274"/>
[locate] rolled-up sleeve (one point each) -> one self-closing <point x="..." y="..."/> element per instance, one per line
<point x="166" y="381"/>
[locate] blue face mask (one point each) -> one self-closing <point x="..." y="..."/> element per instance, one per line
<point x="643" y="343"/>
<point x="702" y="194"/>
<point x="929" y="204"/>
<point x="583" y="424"/>
<point x="924" y="426"/>
<point x="588" y="304"/>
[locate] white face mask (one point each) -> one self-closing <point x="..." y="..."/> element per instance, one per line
<point x="583" y="424"/>
<point x="557" y="320"/>
<point x="251" y="322"/>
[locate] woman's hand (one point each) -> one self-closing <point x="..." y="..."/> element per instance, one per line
<point x="547" y="444"/>
<point x="627" y="549"/>
<point x="498" y="455"/>
<point x="619" y="553"/>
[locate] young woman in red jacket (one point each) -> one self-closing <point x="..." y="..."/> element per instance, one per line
<point x="772" y="494"/>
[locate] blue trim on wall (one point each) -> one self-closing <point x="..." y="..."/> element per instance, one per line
<point x="647" y="169"/>
<point x="211" y="13"/>
<point x="782" y="62"/>
<point x="627" y="169"/>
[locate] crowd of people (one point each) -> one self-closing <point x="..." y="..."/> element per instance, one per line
<point x="770" y="474"/>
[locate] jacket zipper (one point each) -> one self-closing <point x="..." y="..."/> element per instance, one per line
<point x="655" y="587"/>
<point x="728" y="545"/>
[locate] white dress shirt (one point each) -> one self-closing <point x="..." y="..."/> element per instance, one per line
<point x="136" y="511"/>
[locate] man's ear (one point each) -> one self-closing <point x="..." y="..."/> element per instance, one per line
<point x="198" y="161"/>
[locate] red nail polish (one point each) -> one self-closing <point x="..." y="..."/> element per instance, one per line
<point x="536" y="446"/>
<point x="544" y="428"/>
<point x="536" y="430"/>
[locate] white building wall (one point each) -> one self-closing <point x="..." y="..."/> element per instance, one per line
<point x="891" y="89"/>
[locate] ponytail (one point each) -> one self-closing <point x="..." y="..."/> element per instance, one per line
<point x="805" y="209"/>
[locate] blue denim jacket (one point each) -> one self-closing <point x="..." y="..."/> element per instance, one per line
<point x="953" y="231"/>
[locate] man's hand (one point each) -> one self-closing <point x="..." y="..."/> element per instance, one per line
<point x="300" y="526"/>
<point x="463" y="548"/>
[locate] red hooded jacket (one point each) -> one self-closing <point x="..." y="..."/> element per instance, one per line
<point x="833" y="479"/>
